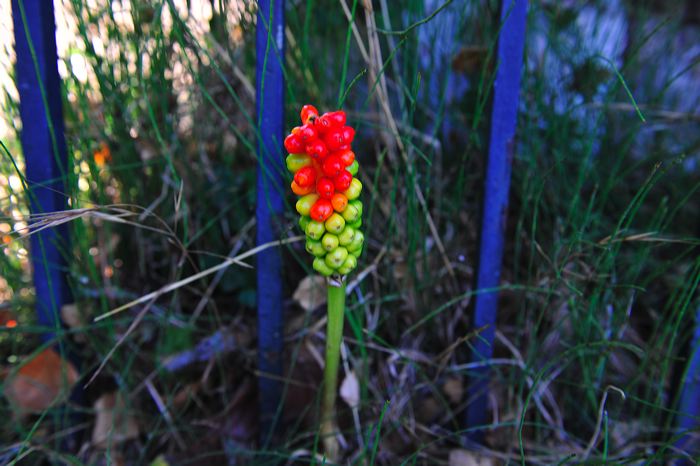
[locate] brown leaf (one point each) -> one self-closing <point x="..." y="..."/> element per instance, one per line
<point x="113" y="422"/>
<point x="311" y="292"/>
<point x="39" y="383"/>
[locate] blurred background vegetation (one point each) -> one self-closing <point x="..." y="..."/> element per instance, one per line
<point x="601" y="266"/>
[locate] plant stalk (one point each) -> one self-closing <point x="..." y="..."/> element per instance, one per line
<point x="334" y="335"/>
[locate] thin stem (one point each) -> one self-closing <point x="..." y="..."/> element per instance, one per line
<point x="334" y="335"/>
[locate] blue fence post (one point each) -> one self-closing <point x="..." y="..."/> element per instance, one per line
<point x="45" y="159"/>
<point x="269" y="82"/>
<point x="688" y="417"/>
<point x="501" y="147"/>
<point x="44" y="147"/>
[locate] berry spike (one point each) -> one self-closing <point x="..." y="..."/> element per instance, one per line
<point x="324" y="165"/>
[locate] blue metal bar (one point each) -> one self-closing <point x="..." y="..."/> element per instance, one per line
<point x="269" y="82"/>
<point x="44" y="148"/>
<point x="45" y="159"/>
<point x="501" y="147"/>
<point x="688" y="418"/>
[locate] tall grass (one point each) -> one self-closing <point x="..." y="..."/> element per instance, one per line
<point x="601" y="271"/>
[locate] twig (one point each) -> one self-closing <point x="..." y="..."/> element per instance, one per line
<point x="185" y="281"/>
<point x="121" y="340"/>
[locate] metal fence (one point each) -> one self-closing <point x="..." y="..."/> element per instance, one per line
<point x="44" y="149"/>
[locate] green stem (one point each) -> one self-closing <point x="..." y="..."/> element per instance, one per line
<point x="334" y="335"/>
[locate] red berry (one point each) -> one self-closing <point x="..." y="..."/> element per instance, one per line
<point x="334" y="139"/>
<point x="348" y="134"/>
<point x="308" y="112"/>
<point x="322" y="124"/>
<point x="325" y="187"/>
<point x="347" y="157"/>
<point x="305" y="177"/>
<point x="342" y="180"/>
<point x="307" y="133"/>
<point x="317" y="149"/>
<point x="321" y="210"/>
<point x="332" y="165"/>
<point x="344" y="147"/>
<point x="293" y="144"/>
<point x="337" y="119"/>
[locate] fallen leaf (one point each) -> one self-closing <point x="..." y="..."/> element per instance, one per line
<point x="42" y="381"/>
<point x="311" y="292"/>
<point x="453" y="389"/>
<point x="468" y="458"/>
<point x="113" y="422"/>
<point x="350" y="390"/>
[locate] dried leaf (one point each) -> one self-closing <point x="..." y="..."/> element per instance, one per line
<point x="113" y="422"/>
<point x="311" y="292"/>
<point x="42" y="381"/>
<point x="468" y="458"/>
<point x="350" y="390"/>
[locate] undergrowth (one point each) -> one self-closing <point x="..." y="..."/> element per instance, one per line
<point x="601" y="266"/>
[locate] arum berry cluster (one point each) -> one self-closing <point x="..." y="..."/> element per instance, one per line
<point x="324" y="168"/>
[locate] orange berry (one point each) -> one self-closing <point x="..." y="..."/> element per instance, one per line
<point x="339" y="201"/>
<point x="301" y="191"/>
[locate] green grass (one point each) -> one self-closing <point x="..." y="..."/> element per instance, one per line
<point x="600" y="276"/>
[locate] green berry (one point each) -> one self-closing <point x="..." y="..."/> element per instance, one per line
<point x="295" y="162"/>
<point x="356" y="252"/>
<point x="335" y="223"/>
<point x="350" y="214"/>
<point x="346" y="236"/>
<point x="304" y="204"/>
<point x="321" y="267"/>
<point x="353" y="192"/>
<point x="358" y="205"/>
<point x="336" y="258"/>
<point x="315" y="247"/>
<point x="329" y="241"/>
<point x="357" y="241"/>
<point x="353" y="167"/>
<point x="315" y="230"/>
<point x="356" y="224"/>
<point x="303" y="221"/>
<point x="348" y="266"/>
